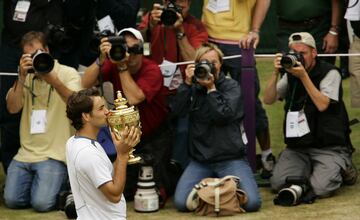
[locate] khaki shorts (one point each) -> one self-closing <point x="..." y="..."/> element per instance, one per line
<point x="354" y="68"/>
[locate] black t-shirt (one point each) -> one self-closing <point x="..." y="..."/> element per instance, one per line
<point x="41" y="12"/>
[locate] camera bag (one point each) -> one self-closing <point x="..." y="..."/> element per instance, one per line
<point x="217" y="197"/>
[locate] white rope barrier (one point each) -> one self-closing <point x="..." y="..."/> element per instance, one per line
<point x="227" y="58"/>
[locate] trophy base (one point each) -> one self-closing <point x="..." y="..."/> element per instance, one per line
<point x="134" y="160"/>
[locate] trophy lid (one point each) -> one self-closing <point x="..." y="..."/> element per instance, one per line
<point x="121" y="106"/>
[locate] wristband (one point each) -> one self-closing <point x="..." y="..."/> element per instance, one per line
<point x="334" y="33"/>
<point x="98" y="62"/>
<point x="254" y="31"/>
<point x="180" y="35"/>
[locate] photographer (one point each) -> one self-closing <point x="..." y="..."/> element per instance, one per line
<point x="316" y="125"/>
<point x="141" y="82"/>
<point x="37" y="172"/>
<point x="174" y="34"/>
<point x="37" y="16"/>
<point x="216" y="112"/>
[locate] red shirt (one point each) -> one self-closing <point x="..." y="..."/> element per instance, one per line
<point x="153" y="110"/>
<point x="163" y="39"/>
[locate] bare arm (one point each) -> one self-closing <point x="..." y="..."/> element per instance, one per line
<point x="320" y="100"/>
<point x="91" y="74"/>
<point x="187" y="51"/>
<point x="270" y="94"/>
<point x="14" y="99"/>
<point x="331" y="39"/>
<point x="253" y="38"/>
<point x="90" y="77"/>
<point x="114" y="189"/>
<point x="132" y="91"/>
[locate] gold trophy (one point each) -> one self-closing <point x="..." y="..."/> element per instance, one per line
<point x="123" y="116"/>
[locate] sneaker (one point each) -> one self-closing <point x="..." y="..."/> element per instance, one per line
<point x="268" y="166"/>
<point x="350" y="175"/>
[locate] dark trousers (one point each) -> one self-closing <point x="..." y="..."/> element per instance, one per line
<point x="9" y="123"/>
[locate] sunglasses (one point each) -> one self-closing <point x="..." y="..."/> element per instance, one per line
<point x="136" y="49"/>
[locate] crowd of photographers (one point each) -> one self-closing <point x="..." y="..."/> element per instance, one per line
<point x="191" y="115"/>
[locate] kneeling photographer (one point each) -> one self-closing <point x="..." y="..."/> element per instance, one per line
<point x="317" y="157"/>
<point x="216" y="110"/>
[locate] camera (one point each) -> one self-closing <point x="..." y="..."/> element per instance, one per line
<point x="58" y="38"/>
<point x="168" y="16"/>
<point x="289" y="60"/>
<point x="66" y="203"/>
<point x="118" y="47"/>
<point x="43" y="62"/>
<point x="292" y="195"/>
<point x="203" y="69"/>
<point x="146" y="197"/>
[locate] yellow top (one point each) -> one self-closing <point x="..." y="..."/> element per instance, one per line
<point x="229" y="25"/>
<point x="51" y="144"/>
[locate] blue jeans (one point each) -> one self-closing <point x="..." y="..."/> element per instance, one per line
<point x="181" y="140"/>
<point x="196" y="171"/>
<point x="34" y="184"/>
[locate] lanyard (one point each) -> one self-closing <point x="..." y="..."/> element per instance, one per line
<point x="33" y="96"/>
<point x="293" y="96"/>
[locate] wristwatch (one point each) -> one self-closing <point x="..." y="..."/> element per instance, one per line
<point x="122" y="68"/>
<point x="180" y="35"/>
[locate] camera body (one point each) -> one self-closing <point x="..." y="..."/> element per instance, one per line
<point x="168" y="16"/>
<point x="203" y="69"/>
<point x="118" y="47"/>
<point x="146" y="197"/>
<point x="43" y="62"/>
<point x="58" y="38"/>
<point x="293" y="194"/>
<point x="289" y="59"/>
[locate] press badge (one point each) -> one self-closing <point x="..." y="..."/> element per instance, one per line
<point x="168" y="70"/>
<point x="21" y="10"/>
<point x="106" y="23"/>
<point x="303" y="124"/>
<point x="216" y="6"/>
<point x="292" y="124"/>
<point x="38" y="122"/>
<point x="296" y="124"/>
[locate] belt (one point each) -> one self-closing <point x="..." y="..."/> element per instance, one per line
<point x="307" y="23"/>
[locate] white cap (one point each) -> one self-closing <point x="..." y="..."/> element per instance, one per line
<point x="133" y="31"/>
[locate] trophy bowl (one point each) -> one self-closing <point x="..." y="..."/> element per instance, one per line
<point x="123" y="116"/>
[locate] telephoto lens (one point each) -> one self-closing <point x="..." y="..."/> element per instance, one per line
<point x="43" y="62"/>
<point x="118" y="47"/>
<point x="292" y="195"/>
<point x="146" y="197"/>
<point x="203" y="69"/>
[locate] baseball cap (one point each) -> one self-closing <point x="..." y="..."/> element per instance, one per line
<point x="302" y="37"/>
<point x="133" y="31"/>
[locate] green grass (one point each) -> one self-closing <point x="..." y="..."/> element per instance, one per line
<point x="343" y="205"/>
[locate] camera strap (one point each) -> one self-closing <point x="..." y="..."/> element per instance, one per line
<point x="33" y="96"/>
